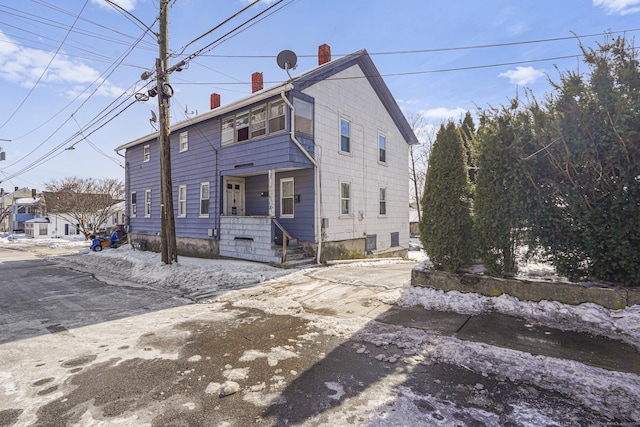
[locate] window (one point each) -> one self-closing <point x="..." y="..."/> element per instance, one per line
<point x="345" y="136"/>
<point x="382" y="148"/>
<point x="276" y="116"/>
<point x="147" y="203"/>
<point x="395" y="239"/>
<point x="204" y="199"/>
<point x="43" y="229"/>
<point x="227" y="130"/>
<point x="182" y="200"/>
<point x="383" y="201"/>
<point x="134" y="204"/>
<point x="184" y="141"/>
<point x="345" y="198"/>
<point x="242" y="127"/>
<point x="286" y="197"/>
<point x="146" y="153"/>
<point x="303" y="116"/>
<point x="259" y="121"/>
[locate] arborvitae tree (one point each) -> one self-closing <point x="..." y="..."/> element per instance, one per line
<point x="501" y="204"/>
<point x="446" y="224"/>
<point x="468" y="133"/>
<point x="589" y="176"/>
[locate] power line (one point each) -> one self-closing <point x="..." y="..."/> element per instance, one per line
<point x="447" y="49"/>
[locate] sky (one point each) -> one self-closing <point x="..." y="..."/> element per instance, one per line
<point x="70" y="70"/>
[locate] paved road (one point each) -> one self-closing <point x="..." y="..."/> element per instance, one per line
<point x="305" y="350"/>
<point x="38" y="297"/>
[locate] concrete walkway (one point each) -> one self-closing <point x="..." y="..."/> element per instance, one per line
<point x="521" y="335"/>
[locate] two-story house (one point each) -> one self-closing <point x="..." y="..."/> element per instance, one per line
<point x="10" y="220"/>
<point x="321" y="158"/>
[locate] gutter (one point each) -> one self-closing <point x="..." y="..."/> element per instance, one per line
<point x="316" y="170"/>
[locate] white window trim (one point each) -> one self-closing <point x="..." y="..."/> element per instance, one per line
<point x="350" y="213"/>
<point x="383" y="135"/>
<point x="133" y="213"/>
<point x="182" y="212"/>
<point x="231" y="140"/>
<point x="282" y="181"/>
<point x="349" y="152"/>
<point x="205" y="215"/>
<point x="380" y="200"/>
<point x="147" y="203"/>
<point x="184" y="142"/>
<point x="270" y="118"/>
<point x="146" y="153"/>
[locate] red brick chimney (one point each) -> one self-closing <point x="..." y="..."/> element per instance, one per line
<point x="257" y="82"/>
<point x="215" y="100"/>
<point x="324" y="54"/>
<point x="33" y="192"/>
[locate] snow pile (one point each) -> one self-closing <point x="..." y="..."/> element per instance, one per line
<point x="613" y="394"/>
<point x="193" y="278"/>
<point x="588" y="317"/>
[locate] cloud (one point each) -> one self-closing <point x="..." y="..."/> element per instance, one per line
<point x="127" y="5"/>
<point x="443" y="113"/>
<point x="523" y="75"/>
<point x="24" y="66"/>
<point x="619" y="7"/>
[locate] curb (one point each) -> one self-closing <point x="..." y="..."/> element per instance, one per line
<point x="567" y="293"/>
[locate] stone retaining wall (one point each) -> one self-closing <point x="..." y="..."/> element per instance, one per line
<point x="568" y="293"/>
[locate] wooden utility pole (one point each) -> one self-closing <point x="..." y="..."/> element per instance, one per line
<point x="168" y="226"/>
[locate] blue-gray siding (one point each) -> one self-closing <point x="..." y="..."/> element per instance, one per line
<point x="206" y="160"/>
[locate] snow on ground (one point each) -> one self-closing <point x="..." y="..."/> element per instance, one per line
<point x="615" y="394"/>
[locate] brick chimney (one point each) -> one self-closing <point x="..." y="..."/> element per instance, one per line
<point x="257" y="82"/>
<point x="215" y="100"/>
<point x="324" y="54"/>
<point x="33" y="192"/>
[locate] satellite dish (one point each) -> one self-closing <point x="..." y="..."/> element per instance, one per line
<point x="287" y="60"/>
<point x="153" y="118"/>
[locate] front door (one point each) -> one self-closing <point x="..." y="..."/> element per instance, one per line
<point x="234" y="196"/>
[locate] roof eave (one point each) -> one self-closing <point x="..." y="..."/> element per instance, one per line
<point x="220" y="111"/>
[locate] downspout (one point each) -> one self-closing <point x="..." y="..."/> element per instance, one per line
<point x="316" y="170"/>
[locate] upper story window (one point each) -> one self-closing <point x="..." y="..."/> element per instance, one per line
<point x="382" y="148"/>
<point x="182" y="200"/>
<point x="227" y="130"/>
<point x="184" y="141"/>
<point x="146" y="153"/>
<point x="204" y="198"/>
<point x="277" y="118"/>
<point x="242" y="126"/>
<point x="134" y="204"/>
<point x="286" y="197"/>
<point x="383" y="201"/>
<point x="303" y="116"/>
<point x="345" y="136"/>
<point x="259" y="121"/>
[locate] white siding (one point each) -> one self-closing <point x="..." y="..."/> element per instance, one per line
<point x="349" y="95"/>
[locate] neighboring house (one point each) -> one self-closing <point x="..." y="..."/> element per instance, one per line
<point x="117" y="216"/>
<point x="7" y="219"/>
<point x="322" y="158"/>
<point x="71" y="213"/>
<point x="22" y="210"/>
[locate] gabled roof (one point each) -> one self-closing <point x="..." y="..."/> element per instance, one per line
<point x="302" y="82"/>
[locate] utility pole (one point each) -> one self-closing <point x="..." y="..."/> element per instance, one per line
<point x="168" y="226"/>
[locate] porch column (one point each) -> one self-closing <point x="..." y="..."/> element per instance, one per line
<point x="272" y="193"/>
